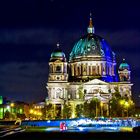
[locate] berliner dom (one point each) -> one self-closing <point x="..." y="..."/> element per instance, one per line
<point x="91" y="68"/>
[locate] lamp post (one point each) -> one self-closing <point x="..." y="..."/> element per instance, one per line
<point x="127" y="106"/>
<point x="12" y="105"/>
<point x="122" y="102"/>
<point x="101" y="104"/>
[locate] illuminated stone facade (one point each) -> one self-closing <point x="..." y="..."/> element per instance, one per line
<point x="91" y="69"/>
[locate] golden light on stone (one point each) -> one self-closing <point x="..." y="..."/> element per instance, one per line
<point x="12" y="104"/>
<point x="31" y="111"/>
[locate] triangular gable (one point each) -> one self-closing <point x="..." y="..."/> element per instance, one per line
<point x="96" y="82"/>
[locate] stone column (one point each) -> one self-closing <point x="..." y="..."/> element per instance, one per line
<point x="100" y="69"/>
<point x="79" y="69"/>
<point x="72" y="69"/>
<point x="107" y="106"/>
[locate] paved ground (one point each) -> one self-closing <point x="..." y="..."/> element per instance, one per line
<point x="43" y="133"/>
<point x="74" y="136"/>
<point x="9" y="130"/>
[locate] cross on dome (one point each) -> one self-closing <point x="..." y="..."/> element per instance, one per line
<point x="58" y="45"/>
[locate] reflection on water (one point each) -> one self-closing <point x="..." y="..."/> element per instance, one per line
<point x="104" y="123"/>
<point x="100" y="125"/>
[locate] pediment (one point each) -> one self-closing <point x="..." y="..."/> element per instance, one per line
<point x="96" y="82"/>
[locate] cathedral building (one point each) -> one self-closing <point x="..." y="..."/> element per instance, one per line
<point x="90" y="72"/>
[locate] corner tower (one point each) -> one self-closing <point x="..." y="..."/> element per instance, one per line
<point x="124" y="72"/>
<point x="57" y="85"/>
<point x="58" y="66"/>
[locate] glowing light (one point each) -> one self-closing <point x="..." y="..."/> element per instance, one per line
<point x="81" y="128"/>
<point x="57" y="44"/>
<point x="122" y="102"/>
<point x="12" y="104"/>
<point x="8" y="107"/>
<point x="35" y="112"/>
<point x="126" y="104"/>
<point x="31" y="111"/>
<point x="73" y="115"/>
<point x="101" y="104"/>
<point x="39" y="113"/>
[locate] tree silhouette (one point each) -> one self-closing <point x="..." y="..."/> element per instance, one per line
<point x="67" y="111"/>
<point x="79" y="110"/>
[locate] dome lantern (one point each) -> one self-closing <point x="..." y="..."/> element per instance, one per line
<point x="90" y="28"/>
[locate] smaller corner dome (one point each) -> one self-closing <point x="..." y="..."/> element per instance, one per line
<point x="124" y="65"/>
<point x="58" y="54"/>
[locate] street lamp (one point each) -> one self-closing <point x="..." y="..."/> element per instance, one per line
<point x="12" y="104"/>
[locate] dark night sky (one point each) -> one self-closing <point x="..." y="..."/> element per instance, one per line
<point x="30" y="29"/>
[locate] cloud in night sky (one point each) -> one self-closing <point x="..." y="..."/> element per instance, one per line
<point x="23" y="79"/>
<point x="127" y="38"/>
<point x="29" y="36"/>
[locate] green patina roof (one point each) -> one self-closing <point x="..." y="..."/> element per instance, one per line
<point x="91" y="45"/>
<point x="57" y="54"/>
<point x="124" y="66"/>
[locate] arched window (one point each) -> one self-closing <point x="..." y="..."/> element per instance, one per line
<point x="58" y="93"/>
<point x="93" y="70"/>
<point x="58" y="68"/>
<point x="78" y="71"/>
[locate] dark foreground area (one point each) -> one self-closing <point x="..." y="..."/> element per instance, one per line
<point x="74" y="136"/>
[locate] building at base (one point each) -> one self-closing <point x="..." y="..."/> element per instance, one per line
<point x="89" y="73"/>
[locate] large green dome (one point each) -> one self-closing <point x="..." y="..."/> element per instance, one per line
<point x="91" y="45"/>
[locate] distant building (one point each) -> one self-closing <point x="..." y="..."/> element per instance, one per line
<point x="12" y="110"/>
<point x="37" y="111"/>
<point x="91" y="71"/>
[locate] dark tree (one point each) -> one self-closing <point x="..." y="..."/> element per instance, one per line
<point x="79" y="110"/>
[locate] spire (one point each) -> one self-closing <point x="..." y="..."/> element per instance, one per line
<point x="90" y="28"/>
<point x="90" y="21"/>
